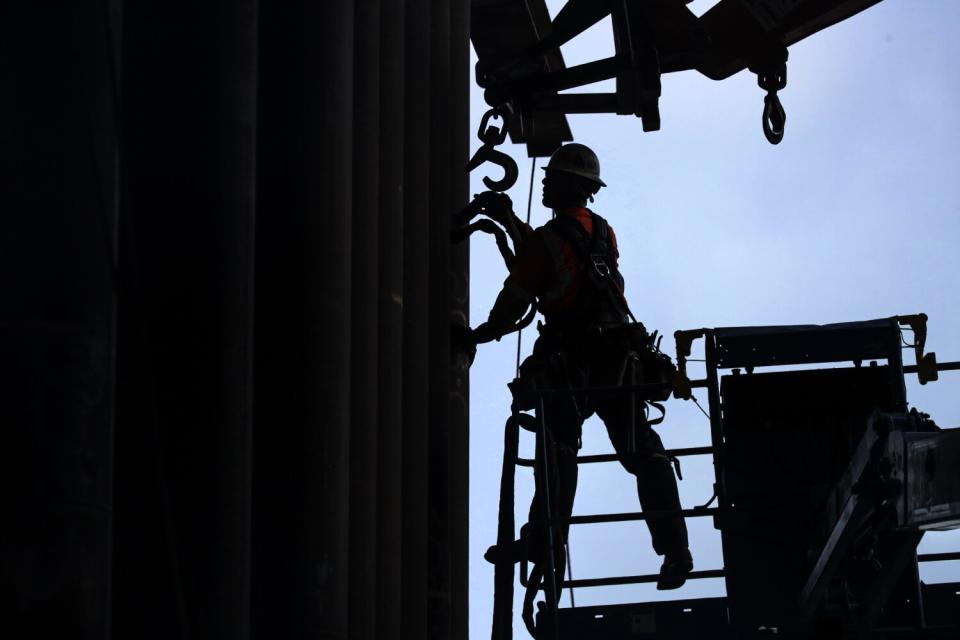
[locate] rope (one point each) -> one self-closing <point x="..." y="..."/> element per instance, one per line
<point x="533" y="167"/>
<point x="707" y="415"/>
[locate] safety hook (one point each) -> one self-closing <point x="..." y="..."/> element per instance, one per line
<point x="486" y="153"/>
<point x="774" y="118"/>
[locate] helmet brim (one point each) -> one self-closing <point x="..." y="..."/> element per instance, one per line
<point x="574" y="172"/>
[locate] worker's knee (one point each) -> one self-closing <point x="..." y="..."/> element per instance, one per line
<point x="641" y="463"/>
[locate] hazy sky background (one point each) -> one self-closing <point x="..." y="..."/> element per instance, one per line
<point x="854" y="216"/>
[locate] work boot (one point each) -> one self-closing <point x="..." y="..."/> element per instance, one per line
<point x="673" y="573"/>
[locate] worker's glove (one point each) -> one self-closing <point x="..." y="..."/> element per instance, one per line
<point x="463" y="341"/>
<point x="496" y="206"/>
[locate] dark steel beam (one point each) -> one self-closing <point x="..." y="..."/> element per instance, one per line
<point x="184" y="424"/>
<point x="896" y="565"/>
<point x="59" y="180"/>
<point x="575" y="103"/>
<point x="938" y="557"/>
<point x="416" y="319"/>
<point x="459" y="278"/>
<point x="389" y="373"/>
<point x="570" y="77"/>
<point x="856" y="508"/>
<point x="302" y="403"/>
<point x="440" y="204"/>
<point x="364" y="454"/>
<point x="941" y="366"/>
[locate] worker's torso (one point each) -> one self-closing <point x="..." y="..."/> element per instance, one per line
<point x="551" y="268"/>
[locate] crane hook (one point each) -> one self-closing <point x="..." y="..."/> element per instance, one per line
<point x="774" y="118"/>
<point x="771" y="70"/>
<point x="487" y="153"/>
<point x="491" y="137"/>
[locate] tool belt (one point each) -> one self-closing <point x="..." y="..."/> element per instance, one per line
<point x="603" y="355"/>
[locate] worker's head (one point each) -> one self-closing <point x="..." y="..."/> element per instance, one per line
<point x="572" y="177"/>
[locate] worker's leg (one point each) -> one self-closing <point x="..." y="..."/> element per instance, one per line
<point x="563" y="434"/>
<point x="641" y="452"/>
<point x="563" y="417"/>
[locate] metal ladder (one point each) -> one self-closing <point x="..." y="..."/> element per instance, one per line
<point x="714" y="362"/>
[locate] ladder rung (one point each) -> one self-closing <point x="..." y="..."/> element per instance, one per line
<point x="652" y="386"/>
<point x="653" y="577"/>
<point x="612" y="457"/>
<point x="636" y="515"/>
<point x="935" y="557"/>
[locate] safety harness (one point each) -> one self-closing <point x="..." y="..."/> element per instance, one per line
<point x="598" y="264"/>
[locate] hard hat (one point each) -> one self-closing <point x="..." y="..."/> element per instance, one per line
<point x="578" y="160"/>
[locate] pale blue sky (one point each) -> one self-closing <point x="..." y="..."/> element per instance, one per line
<point x="853" y="216"/>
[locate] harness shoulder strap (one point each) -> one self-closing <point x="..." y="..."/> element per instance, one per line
<point x="601" y="238"/>
<point x="573" y="232"/>
<point x="596" y="253"/>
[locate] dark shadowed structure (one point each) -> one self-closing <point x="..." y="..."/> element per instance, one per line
<point x="228" y="407"/>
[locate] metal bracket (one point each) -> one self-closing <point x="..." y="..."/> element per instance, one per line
<point x="682" y="387"/>
<point x="926" y="363"/>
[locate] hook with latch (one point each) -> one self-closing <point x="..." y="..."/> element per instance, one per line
<point x="772" y="77"/>
<point x="774" y="118"/>
<point x="492" y="136"/>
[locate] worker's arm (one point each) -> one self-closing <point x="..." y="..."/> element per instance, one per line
<point x="499" y="207"/>
<point x="526" y="280"/>
<point x="511" y="304"/>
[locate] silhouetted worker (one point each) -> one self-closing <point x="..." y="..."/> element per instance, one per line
<point x="569" y="268"/>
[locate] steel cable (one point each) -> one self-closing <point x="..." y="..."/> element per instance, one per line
<point x="533" y="167"/>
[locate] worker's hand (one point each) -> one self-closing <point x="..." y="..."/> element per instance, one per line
<point x="497" y="206"/>
<point x="463" y="341"/>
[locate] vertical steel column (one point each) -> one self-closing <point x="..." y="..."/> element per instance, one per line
<point x="302" y="402"/>
<point x="58" y="178"/>
<point x="438" y="228"/>
<point x="390" y="323"/>
<point x="716" y="414"/>
<point x="416" y="370"/>
<point x="716" y="431"/>
<point x="895" y="361"/>
<point x="364" y="455"/>
<point x="189" y="114"/>
<point x="459" y="284"/>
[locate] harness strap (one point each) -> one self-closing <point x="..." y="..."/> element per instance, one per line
<point x="596" y="252"/>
